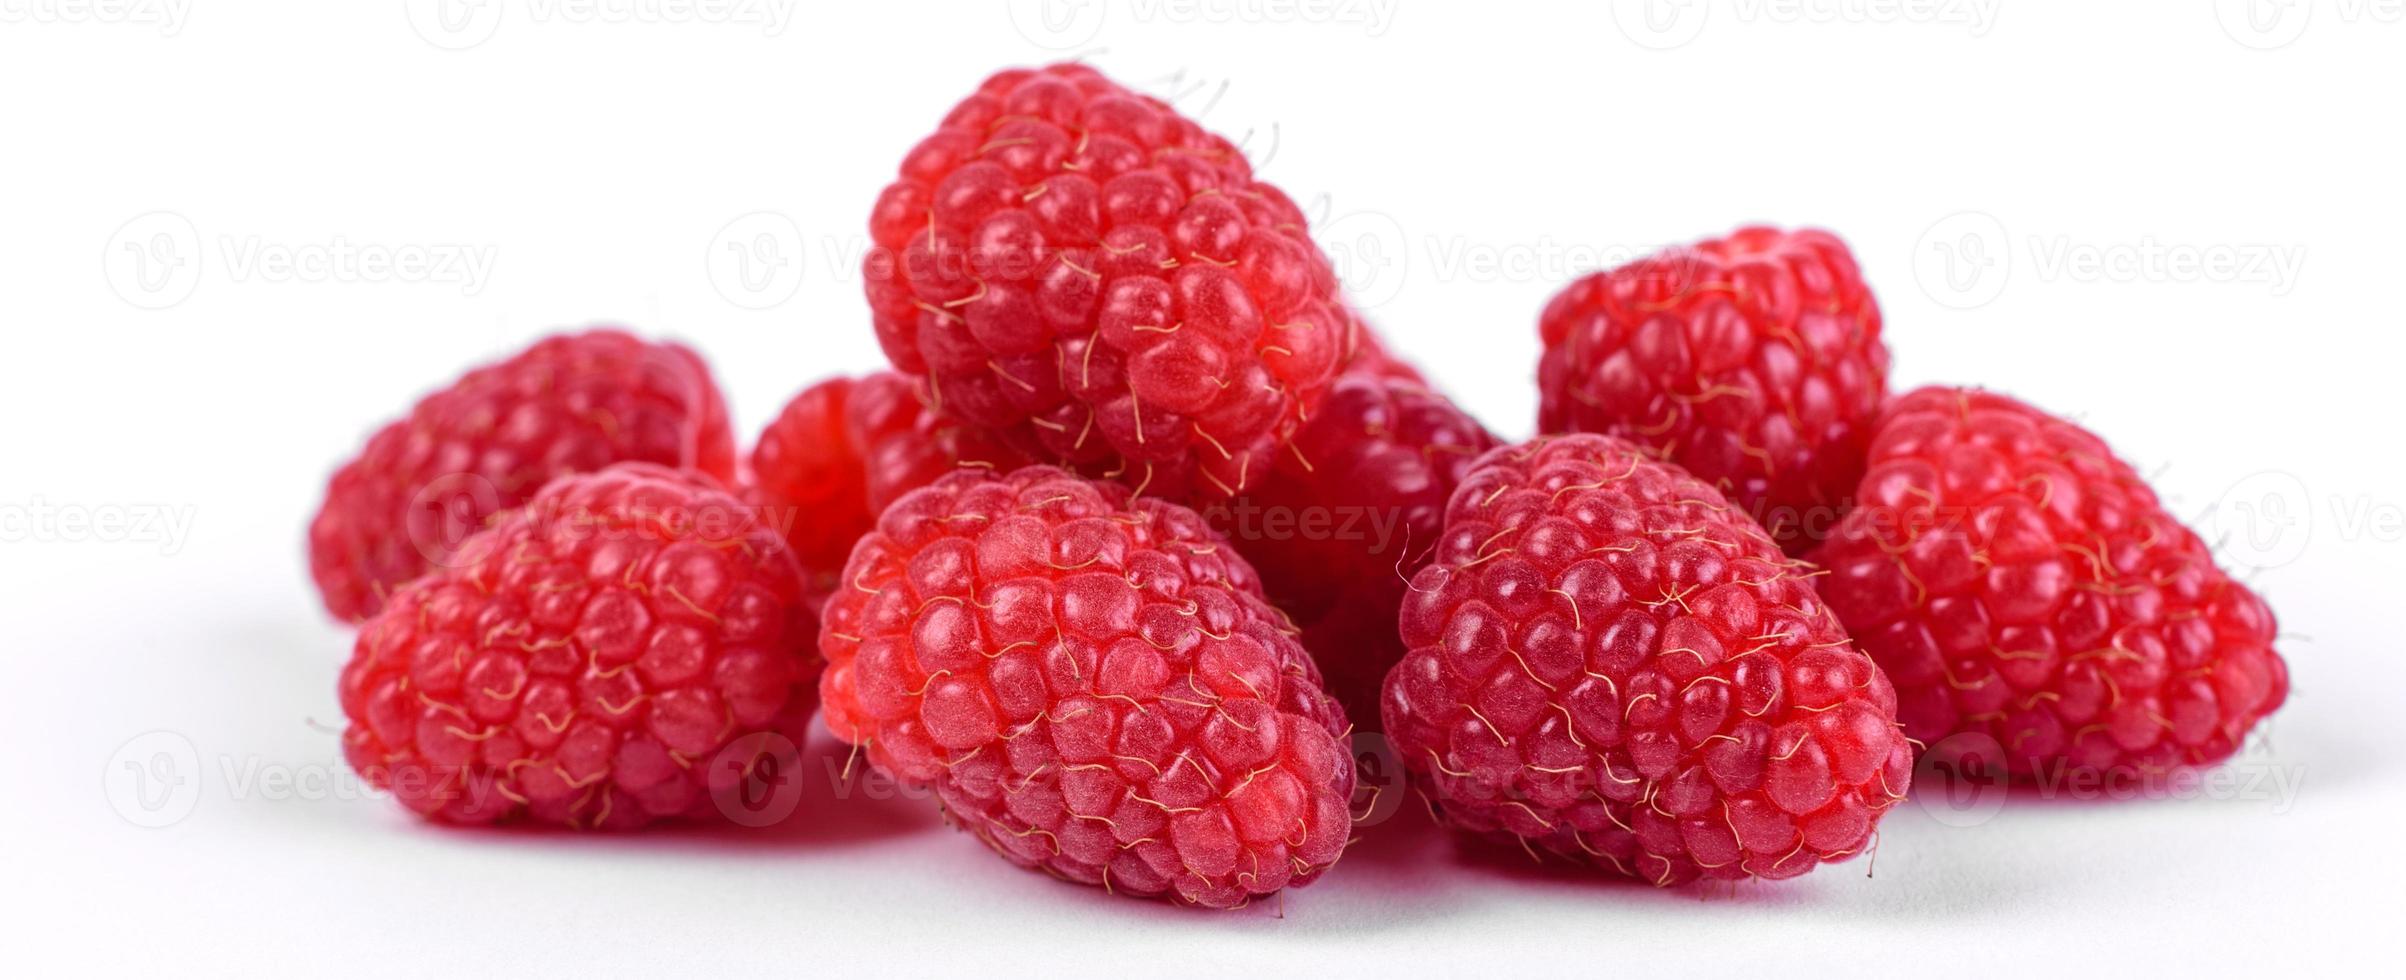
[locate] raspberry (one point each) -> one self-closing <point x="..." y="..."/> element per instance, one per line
<point x="843" y="450"/>
<point x="1754" y="361"/>
<point x="1105" y="284"/>
<point x="2021" y="584"/>
<point x="571" y="403"/>
<point x="1093" y="685"/>
<point x="596" y="658"/>
<point x="1349" y="512"/>
<point x="906" y="446"/>
<point x="809" y="479"/>
<point x="1610" y="662"/>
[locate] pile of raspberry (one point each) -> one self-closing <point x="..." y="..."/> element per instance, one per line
<point x="1146" y="533"/>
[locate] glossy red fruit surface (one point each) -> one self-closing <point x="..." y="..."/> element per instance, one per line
<point x="1093" y="685"/>
<point x="810" y="481"/>
<point x="1611" y="663"/>
<point x="624" y="648"/>
<point x="844" y="449"/>
<point x="1754" y="361"/>
<point x="572" y="403"/>
<point x="2036" y="606"/>
<point x="1106" y="285"/>
<point x="1349" y="513"/>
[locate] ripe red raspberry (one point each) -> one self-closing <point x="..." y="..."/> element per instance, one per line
<point x="845" y="449"/>
<point x="1610" y="662"/>
<point x="1350" y="510"/>
<point x="1093" y="685"/>
<point x="1104" y="283"/>
<point x="1754" y="361"/>
<point x="906" y="445"/>
<point x="2020" y="582"/>
<point x="595" y="658"/>
<point x="810" y="482"/>
<point x="572" y="403"/>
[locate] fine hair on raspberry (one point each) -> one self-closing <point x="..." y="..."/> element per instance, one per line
<point x="1753" y="360"/>
<point x="600" y="657"/>
<point x="1094" y="687"/>
<point x="1106" y="285"/>
<point x="570" y="403"/>
<point x="1349" y="512"/>
<point x="1610" y="663"/>
<point x="2039" y="610"/>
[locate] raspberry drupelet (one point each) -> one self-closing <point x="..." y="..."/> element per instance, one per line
<point x="905" y="445"/>
<point x="1106" y="285"/>
<point x="1610" y="663"/>
<point x="571" y="403"/>
<point x="1753" y="361"/>
<point x="1349" y="512"/>
<point x="2025" y="590"/>
<point x="1093" y="685"/>
<point x="598" y="657"/>
<point x="809" y="480"/>
<point x="844" y="449"/>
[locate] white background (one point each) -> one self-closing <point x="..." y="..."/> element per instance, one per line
<point x="2069" y="159"/>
